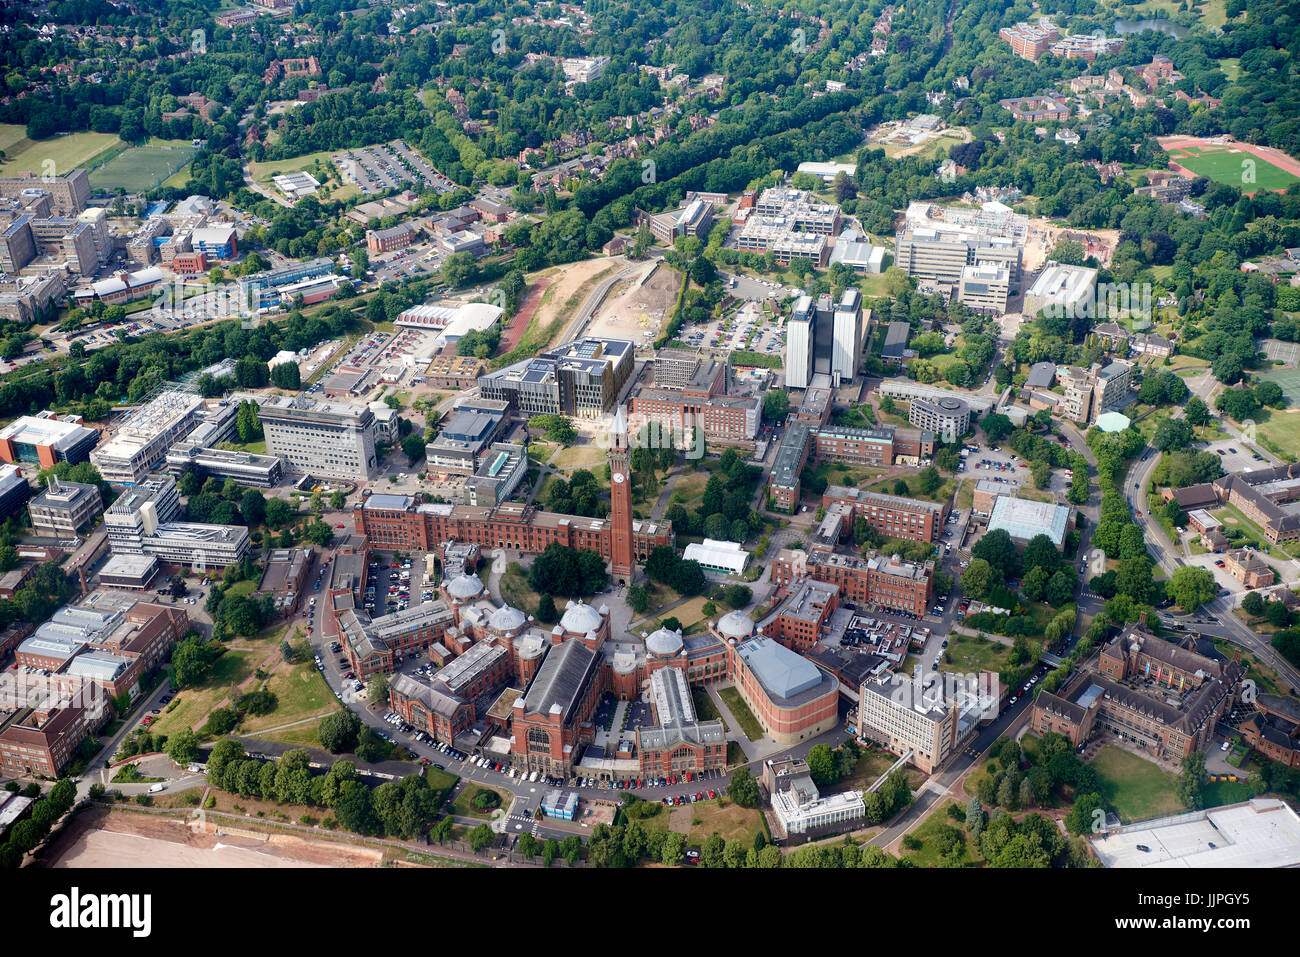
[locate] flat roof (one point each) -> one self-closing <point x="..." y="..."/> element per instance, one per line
<point x="1024" y="519"/>
<point x="1261" y="832"/>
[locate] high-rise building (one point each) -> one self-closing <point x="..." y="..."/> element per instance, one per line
<point x="847" y="338"/>
<point x="328" y="439"/>
<point x="799" y="344"/>
<point x="622" y="562"/>
<point x="938" y="243"/>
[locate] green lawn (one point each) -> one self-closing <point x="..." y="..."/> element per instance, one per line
<point x="462" y="806"/>
<point x="1138" y="789"/>
<point x="516" y="591"/>
<point x="928" y="833"/>
<point x="728" y="820"/>
<point x="736" y="704"/>
<point x="913" y="483"/>
<point x="193" y="705"/>
<point x="971" y="654"/>
<point x="1281" y="433"/>
<point x="300" y="693"/>
<point x="67" y="152"/>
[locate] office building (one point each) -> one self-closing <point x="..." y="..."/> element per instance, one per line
<point x="246" y="468"/>
<point x="264" y="290"/>
<point x="937" y="243"/>
<point x="801" y="811"/>
<point x="894" y="351"/>
<point x="394" y="237"/>
<point x="1085" y="46"/>
<point x="676" y="740"/>
<point x="984" y="288"/>
<point x="848" y="335"/>
<point x="1023" y="519"/>
<point x="1062" y="290"/>
<point x="894" y="516"/>
<point x="886" y="581"/>
<point x="69" y="194"/>
<point x="946" y="416"/>
<point x="584" y="69"/>
<point x="799" y="344"/>
<point x="1261" y="832"/>
<point x="144" y="522"/>
<point x="582" y="378"/>
<point x="500" y="471"/>
<point x="62" y="509"/>
<point x="792" y="698"/>
<point x="285" y="577"/>
<point x="47" y="438"/>
<point x="142" y="438"/>
<point x="692" y="219"/>
<point x="14" y="490"/>
<point x="1030" y="41"/>
<point x="463" y="438"/>
<point x="326" y="439"/>
<point x="721" y="418"/>
<point x="924" y="722"/>
<point x="42" y="740"/>
<point x="790" y="224"/>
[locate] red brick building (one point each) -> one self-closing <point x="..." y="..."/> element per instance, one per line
<point x="42" y="740"/>
<point x="884" y="581"/>
<point x="892" y="515"/>
<point x="798" y="622"/>
<point x="622" y="553"/>
<point x="552" y="722"/>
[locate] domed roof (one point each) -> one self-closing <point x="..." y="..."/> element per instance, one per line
<point x="464" y="586"/>
<point x="736" y="624"/>
<point x="506" y="618"/>
<point x="580" y="619"/>
<point x="664" y="643"/>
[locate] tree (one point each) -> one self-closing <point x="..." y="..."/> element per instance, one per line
<point x="1084" y="813"/>
<point x="1191" y="586"/>
<point x="930" y="480"/>
<point x="1252" y="603"/>
<point x="674" y="845"/>
<point x="252" y="505"/>
<point x="1192" y="779"/>
<point x="996" y="426"/>
<point x="377" y="688"/>
<point x="285" y="375"/>
<point x="413" y="447"/>
<point x="338" y="732"/>
<point x="1172" y="434"/>
<point x="1196" y="412"/>
<point x="183" y="746"/>
<point x="977" y="579"/>
<point x="743" y="789"/>
<point x="776" y="405"/>
<point x="821" y="765"/>
<point x="546" y="610"/>
<point x="711" y="851"/>
<point x="638" y="597"/>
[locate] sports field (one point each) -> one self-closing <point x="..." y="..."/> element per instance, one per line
<point x="141" y="168"/>
<point x="67" y="152"/>
<point x="1233" y="164"/>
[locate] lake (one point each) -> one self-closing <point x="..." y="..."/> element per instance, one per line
<point x="1164" y="26"/>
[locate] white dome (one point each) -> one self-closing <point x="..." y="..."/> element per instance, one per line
<point x="506" y="618"/>
<point x="464" y="586"/>
<point x="736" y="624"/>
<point x="580" y="619"/>
<point x="664" y="643"/>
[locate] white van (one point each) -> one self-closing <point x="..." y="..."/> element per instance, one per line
<point x="532" y="778"/>
<point x="155" y="788"/>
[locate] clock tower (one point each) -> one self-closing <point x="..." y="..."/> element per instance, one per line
<point x="622" y="554"/>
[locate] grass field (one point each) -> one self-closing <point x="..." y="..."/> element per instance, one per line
<point x="193" y="705"/>
<point x="730" y="821"/>
<point x="929" y="854"/>
<point x="1228" y="165"/>
<point x="516" y="591"/>
<point x="913" y="483"/>
<point x="1281" y="433"/>
<point x="1137" y="789"/>
<point x="462" y="806"/>
<point x="740" y="711"/>
<point x="68" y="151"/>
<point x="971" y="654"/>
<point x="300" y="693"/>
<point x="141" y="168"/>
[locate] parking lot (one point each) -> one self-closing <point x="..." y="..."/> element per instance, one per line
<point x="1236" y="456"/>
<point x="389" y="166"/>
<point x="746" y="328"/>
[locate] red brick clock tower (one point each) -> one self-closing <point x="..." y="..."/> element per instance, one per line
<point x="622" y="555"/>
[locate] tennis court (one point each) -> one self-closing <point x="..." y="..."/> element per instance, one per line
<point x="1289" y="380"/>
<point x="140" y="168"/>
<point x="1276" y="350"/>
